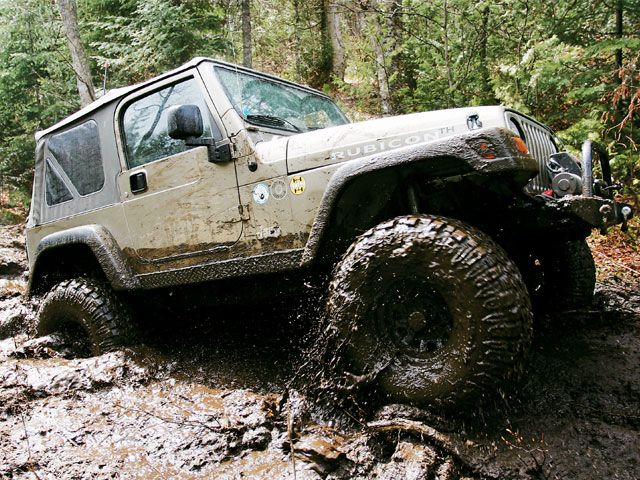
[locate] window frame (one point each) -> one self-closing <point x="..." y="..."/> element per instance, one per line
<point x="191" y="74"/>
<point x="275" y="80"/>
<point x="49" y="165"/>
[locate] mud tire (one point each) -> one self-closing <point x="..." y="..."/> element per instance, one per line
<point x="570" y="276"/>
<point x="562" y="278"/>
<point x="86" y="306"/>
<point x="482" y="290"/>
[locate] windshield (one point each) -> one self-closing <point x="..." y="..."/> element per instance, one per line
<point x="269" y="103"/>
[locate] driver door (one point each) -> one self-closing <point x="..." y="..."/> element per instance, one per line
<point x="181" y="209"/>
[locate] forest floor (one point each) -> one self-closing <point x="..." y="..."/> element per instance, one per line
<point x="209" y="399"/>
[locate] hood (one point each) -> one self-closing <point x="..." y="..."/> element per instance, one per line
<point x="347" y="142"/>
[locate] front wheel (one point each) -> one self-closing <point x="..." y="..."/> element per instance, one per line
<point x="433" y="306"/>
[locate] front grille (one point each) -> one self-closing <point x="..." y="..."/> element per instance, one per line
<point x="541" y="145"/>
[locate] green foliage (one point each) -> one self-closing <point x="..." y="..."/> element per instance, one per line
<point x="275" y="31"/>
<point x="14" y="205"/>
<point x="36" y="89"/>
<point x="313" y="64"/>
<point x="152" y="36"/>
<point x="37" y="84"/>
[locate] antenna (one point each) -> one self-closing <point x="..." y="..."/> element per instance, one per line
<point x="235" y="70"/>
<point x="104" y="77"/>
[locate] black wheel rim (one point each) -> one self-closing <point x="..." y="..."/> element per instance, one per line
<point x="414" y="318"/>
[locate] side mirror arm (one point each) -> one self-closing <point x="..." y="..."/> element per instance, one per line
<point x="219" y="152"/>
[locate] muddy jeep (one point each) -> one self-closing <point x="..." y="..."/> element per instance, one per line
<point x="437" y="229"/>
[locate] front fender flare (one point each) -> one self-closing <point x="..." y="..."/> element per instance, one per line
<point x="463" y="159"/>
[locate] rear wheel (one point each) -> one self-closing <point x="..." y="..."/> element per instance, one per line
<point x="87" y="314"/>
<point x="433" y="307"/>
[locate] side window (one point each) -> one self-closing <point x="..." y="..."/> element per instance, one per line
<point x="56" y="191"/>
<point x="77" y="152"/>
<point x="145" y="123"/>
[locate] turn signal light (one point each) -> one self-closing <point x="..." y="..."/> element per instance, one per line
<point x="521" y="146"/>
<point x="485" y="149"/>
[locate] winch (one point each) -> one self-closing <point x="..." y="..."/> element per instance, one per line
<point x="565" y="173"/>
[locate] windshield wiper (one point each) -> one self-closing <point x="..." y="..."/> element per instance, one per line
<point x="272" y="121"/>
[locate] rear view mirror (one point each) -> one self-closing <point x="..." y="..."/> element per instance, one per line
<point x="184" y="122"/>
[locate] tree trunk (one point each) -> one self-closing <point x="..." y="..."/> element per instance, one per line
<point x="376" y="38"/>
<point x="79" y="61"/>
<point x="324" y="64"/>
<point x="393" y="21"/>
<point x="381" y="73"/>
<point x="396" y="61"/>
<point x="619" y="33"/>
<point x="247" y="60"/>
<point x="447" y="60"/>
<point x="488" y="96"/>
<point x="335" y="37"/>
<point x="297" y="41"/>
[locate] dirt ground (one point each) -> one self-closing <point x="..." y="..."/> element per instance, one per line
<point x="209" y="398"/>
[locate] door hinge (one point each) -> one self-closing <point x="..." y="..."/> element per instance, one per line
<point x="244" y="213"/>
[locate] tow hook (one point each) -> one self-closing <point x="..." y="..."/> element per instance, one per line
<point x="603" y="186"/>
<point x="605" y="211"/>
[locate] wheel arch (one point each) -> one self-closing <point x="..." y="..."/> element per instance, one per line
<point x="481" y="286"/>
<point x="447" y="157"/>
<point x="90" y="249"/>
<point x="364" y="192"/>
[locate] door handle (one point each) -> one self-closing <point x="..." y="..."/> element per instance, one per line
<point x="138" y="182"/>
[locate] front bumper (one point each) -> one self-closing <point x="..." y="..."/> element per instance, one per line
<point x="595" y="211"/>
<point x="593" y="203"/>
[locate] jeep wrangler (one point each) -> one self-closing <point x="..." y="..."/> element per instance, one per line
<point x="439" y="230"/>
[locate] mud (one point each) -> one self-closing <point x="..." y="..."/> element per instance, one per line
<point x="207" y="396"/>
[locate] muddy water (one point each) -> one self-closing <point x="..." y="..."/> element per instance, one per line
<point x="207" y="397"/>
<point x="137" y="414"/>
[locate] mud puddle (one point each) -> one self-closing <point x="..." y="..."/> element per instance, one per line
<point x="207" y="396"/>
<point x="121" y="416"/>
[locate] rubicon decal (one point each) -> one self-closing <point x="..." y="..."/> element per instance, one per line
<point x="369" y="148"/>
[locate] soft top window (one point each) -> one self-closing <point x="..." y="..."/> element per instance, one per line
<point x="77" y="152"/>
<point x="56" y="190"/>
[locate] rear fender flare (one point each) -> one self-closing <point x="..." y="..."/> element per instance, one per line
<point x="104" y="247"/>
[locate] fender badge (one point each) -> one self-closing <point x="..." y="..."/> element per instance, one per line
<point x="278" y="189"/>
<point x="260" y="193"/>
<point x="297" y="185"/>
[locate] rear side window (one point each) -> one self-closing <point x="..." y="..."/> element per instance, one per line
<point x="56" y="190"/>
<point x="77" y="151"/>
<point x="145" y="123"/>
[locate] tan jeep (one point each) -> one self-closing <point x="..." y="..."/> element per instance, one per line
<point x="213" y="174"/>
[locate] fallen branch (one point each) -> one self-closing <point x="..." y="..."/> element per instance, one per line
<point x="29" y="465"/>
<point x="290" y="434"/>
<point x="539" y="464"/>
<point x="192" y="423"/>
<point x="436" y="438"/>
